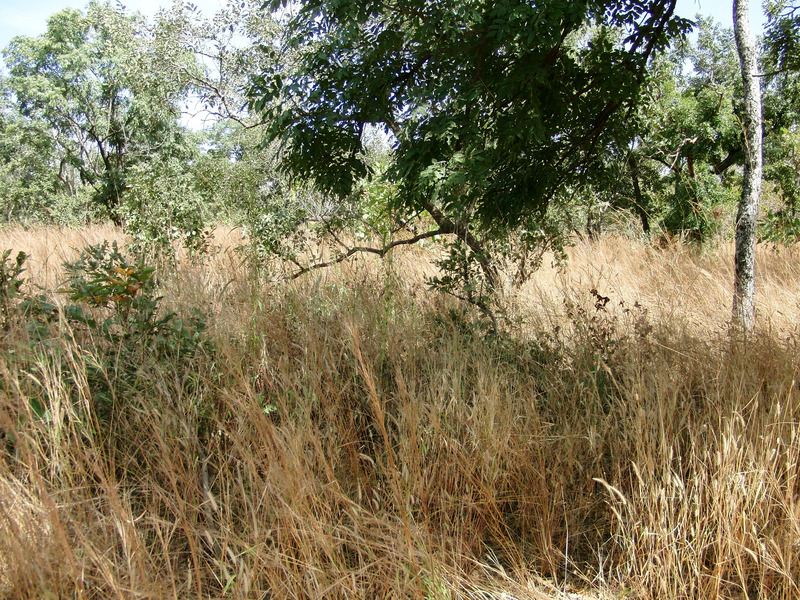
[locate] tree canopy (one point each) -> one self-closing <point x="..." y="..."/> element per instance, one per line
<point x="103" y="91"/>
<point x="493" y="108"/>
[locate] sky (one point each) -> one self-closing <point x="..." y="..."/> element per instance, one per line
<point x="29" y="17"/>
<point x="721" y="10"/>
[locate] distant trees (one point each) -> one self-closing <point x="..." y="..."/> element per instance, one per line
<point x="679" y="161"/>
<point x="93" y="122"/>
<point x="672" y="161"/>
<point x="35" y="176"/>
<point x="103" y="93"/>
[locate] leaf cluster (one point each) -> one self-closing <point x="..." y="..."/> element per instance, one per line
<point x="493" y="106"/>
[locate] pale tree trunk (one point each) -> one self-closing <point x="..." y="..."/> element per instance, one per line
<point x="745" y="259"/>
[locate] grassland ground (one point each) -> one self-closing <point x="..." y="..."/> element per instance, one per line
<point x="351" y="434"/>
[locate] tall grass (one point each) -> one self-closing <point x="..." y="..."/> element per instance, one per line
<point x="350" y="435"/>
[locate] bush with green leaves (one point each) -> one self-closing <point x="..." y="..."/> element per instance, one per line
<point x="693" y="208"/>
<point x="116" y="297"/>
<point x="11" y="282"/>
<point x="116" y="320"/>
<point x="162" y="210"/>
<point x="782" y="169"/>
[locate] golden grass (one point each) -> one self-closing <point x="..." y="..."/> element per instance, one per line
<point x="353" y="436"/>
<point x="49" y="247"/>
<point x="680" y="282"/>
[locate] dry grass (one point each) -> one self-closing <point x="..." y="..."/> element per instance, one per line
<point x="352" y="436"/>
<point x="675" y="283"/>
<point x="49" y="247"/>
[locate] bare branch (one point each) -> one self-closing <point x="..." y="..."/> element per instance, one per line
<point x="380" y="252"/>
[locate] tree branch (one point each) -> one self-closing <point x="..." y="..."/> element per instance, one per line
<point x="728" y="161"/>
<point x="380" y="252"/>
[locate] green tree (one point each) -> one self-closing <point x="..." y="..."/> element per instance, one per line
<point x="781" y="117"/>
<point x="226" y="48"/>
<point x="782" y="39"/>
<point x="495" y="109"/>
<point x="235" y="174"/>
<point x="100" y="85"/>
<point x="687" y="135"/>
<point x="36" y="181"/>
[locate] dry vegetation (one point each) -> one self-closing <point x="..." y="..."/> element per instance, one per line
<point x="352" y="436"/>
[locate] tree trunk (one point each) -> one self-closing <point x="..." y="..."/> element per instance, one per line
<point x="745" y="258"/>
<point x="447" y="226"/>
<point x="638" y="199"/>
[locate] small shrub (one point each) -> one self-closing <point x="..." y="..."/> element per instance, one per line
<point x="114" y="317"/>
<point x="114" y="301"/>
<point x="10" y="283"/>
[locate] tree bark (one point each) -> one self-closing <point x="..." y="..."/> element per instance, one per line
<point x="638" y="199"/>
<point x="745" y="256"/>
<point x="727" y="162"/>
